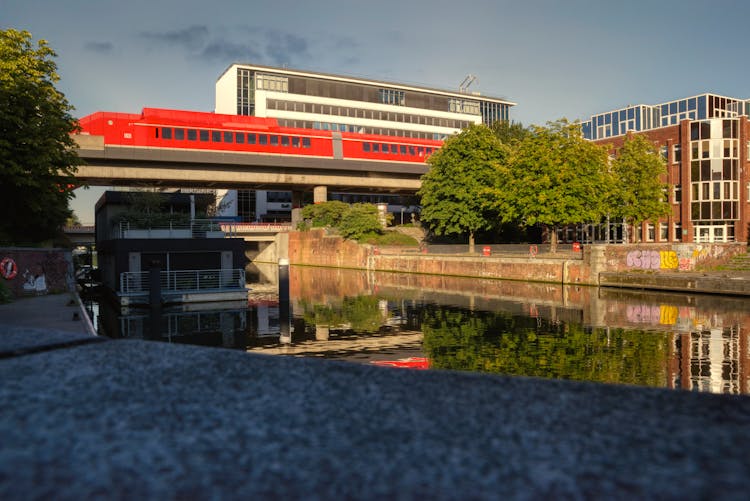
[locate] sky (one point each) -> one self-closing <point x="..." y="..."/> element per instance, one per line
<point x="554" y="58"/>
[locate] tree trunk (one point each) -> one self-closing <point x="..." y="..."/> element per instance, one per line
<point x="553" y="240"/>
<point x="471" y="242"/>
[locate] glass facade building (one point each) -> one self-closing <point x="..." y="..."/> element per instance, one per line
<point x="705" y="142"/>
<point x="644" y="117"/>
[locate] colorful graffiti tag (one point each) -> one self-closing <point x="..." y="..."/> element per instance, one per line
<point x="653" y="260"/>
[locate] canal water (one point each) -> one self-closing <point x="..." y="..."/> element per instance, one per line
<point x="680" y="341"/>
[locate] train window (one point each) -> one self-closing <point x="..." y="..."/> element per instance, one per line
<point x="203" y="134"/>
<point x="192" y="134"/>
<point x="403" y="149"/>
<point x="216" y="136"/>
<point x="274" y="140"/>
<point x="305" y="142"/>
<point x="157" y="132"/>
<point x="375" y="148"/>
<point x="366" y="147"/>
<point x="239" y="138"/>
<point x="394" y="149"/>
<point x="295" y="142"/>
<point x="429" y="151"/>
<point x="179" y="134"/>
<point x="421" y="151"/>
<point x="251" y="139"/>
<point x="166" y="133"/>
<point x="412" y="152"/>
<point x="284" y="140"/>
<point x="262" y="139"/>
<point x="228" y="137"/>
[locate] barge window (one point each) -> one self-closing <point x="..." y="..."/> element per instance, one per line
<point x="366" y="147"/>
<point x="216" y="136"/>
<point x="274" y="140"/>
<point x="228" y="137"/>
<point x="203" y="135"/>
<point x="192" y="135"/>
<point x="239" y="138"/>
<point x="284" y="140"/>
<point x="305" y="142"/>
<point x="295" y="142"/>
<point x="166" y="133"/>
<point x="262" y="139"/>
<point x="179" y="134"/>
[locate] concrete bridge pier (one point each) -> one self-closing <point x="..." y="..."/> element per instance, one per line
<point x="320" y="194"/>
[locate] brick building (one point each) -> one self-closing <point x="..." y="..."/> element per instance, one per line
<point x="705" y="141"/>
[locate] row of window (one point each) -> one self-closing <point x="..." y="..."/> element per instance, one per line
<point x="346" y="111"/>
<point x="715" y="191"/>
<point x="218" y="136"/>
<point x="306" y="124"/>
<point x="396" y="149"/>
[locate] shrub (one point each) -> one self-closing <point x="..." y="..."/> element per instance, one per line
<point x="360" y="220"/>
<point x="326" y="214"/>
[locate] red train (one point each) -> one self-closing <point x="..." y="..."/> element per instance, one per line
<point x="162" y="128"/>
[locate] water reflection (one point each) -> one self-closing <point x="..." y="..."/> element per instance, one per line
<point x="540" y="330"/>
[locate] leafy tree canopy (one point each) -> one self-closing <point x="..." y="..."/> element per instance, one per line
<point x="37" y="153"/>
<point x="327" y="214"/>
<point x="556" y="178"/>
<point x="639" y="192"/>
<point x="359" y="221"/>
<point x="456" y="193"/>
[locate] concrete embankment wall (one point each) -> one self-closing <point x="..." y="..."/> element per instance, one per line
<point x="315" y="248"/>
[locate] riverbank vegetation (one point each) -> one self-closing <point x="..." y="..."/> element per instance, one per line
<point x="486" y="178"/>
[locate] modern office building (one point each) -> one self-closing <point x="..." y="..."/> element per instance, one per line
<point x="705" y="141"/>
<point x="344" y="104"/>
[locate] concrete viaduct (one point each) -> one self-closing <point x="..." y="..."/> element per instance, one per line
<point x="138" y="166"/>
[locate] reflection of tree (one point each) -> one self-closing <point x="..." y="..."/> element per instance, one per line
<point x="504" y="344"/>
<point x="360" y="313"/>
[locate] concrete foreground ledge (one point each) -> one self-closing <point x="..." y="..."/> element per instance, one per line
<point x="148" y="420"/>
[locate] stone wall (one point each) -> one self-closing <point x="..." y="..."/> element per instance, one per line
<point x="318" y="249"/>
<point x="39" y="271"/>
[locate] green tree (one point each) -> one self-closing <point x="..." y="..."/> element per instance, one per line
<point x="510" y="133"/>
<point x="359" y="221"/>
<point x="326" y="214"/>
<point x="639" y="194"/>
<point x="37" y="153"/>
<point x="456" y="193"/>
<point x="556" y="178"/>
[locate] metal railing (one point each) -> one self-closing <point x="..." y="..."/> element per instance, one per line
<point x="197" y="228"/>
<point x="184" y="280"/>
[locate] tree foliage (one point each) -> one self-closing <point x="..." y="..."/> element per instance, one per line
<point x="37" y="153"/>
<point x="556" y="178"/>
<point x="456" y="192"/>
<point x="639" y="193"/>
<point x="326" y="214"/>
<point x="359" y="221"/>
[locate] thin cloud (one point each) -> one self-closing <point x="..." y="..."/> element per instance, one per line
<point x="223" y="50"/>
<point x="191" y="38"/>
<point x="99" y="47"/>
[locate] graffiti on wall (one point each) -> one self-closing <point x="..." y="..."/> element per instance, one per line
<point x="685" y="258"/>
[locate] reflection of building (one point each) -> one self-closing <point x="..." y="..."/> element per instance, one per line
<point x="338" y="103"/>
<point x="705" y="141"/>
<point x="715" y="360"/>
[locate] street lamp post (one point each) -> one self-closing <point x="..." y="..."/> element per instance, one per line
<point x="402" y="216"/>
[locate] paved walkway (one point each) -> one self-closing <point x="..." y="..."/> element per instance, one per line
<point x="150" y="420"/>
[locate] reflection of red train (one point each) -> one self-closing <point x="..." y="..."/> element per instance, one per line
<point x="160" y="128"/>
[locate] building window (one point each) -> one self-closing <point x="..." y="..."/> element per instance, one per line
<point x="676" y="153"/>
<point x="271" y="82"/>
<point x="678" y="232"/>
<point x="677" y="194"/>
<point x="651" y="235"/>
<point x="392" y="96"/>
<point x="663" y="232"/>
